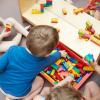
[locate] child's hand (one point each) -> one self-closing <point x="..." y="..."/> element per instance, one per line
<point x="63" y="53"/>
<point x="5" y="34"/>
<point x="67" y="80"/>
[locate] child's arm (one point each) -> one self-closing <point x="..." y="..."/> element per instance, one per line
<point x="52" y="58"/>
<point x="90" y="6"/>
<point x="1" y="24"/>
<point x="1" y="37"/>
<point x="5" y="45"/>
<point x="68" y="79"/>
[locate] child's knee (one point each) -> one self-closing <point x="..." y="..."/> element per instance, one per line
<point x="90" y="84"/>
<point x="7" y="98"/>
<point x="40" y="80"/>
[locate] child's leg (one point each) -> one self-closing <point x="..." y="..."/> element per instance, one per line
<point x="38" y="97"/>
<point x="36" y="88"/>
<point x="91" y="90"/>
<point x="46" y="91"/>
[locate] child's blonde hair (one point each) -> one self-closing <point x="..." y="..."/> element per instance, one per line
<point x="65" y="93"/>
<point x="42" y="40"/>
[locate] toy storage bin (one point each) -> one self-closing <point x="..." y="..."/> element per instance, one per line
<point x="80" y="60"/>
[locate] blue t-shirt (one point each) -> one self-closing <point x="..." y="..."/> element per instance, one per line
<point x="18" y="69"/>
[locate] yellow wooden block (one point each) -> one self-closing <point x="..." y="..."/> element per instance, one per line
<point x="75" y="73"/>
<point x="54" y="20"/>
<point x="70" y="64"/>
<point x="97" y="36"/>
<point x="53" y="71"/>
<point x="64" y="11"/>
<point x="88" y="68"/>
<point x="95" y="40"/>
<point x="58" y="61"/>
<point x="8" y="25"/>
<point x="35" y="11"/>
<point x="78" y="10"/>
<point x="70" y="68"/>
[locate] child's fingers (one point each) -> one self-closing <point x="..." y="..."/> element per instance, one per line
<point x="63" y="53"/>
<point x="6" y="34"/>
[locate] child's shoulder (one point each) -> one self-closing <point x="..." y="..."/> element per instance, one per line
<point x="16" y="48"/>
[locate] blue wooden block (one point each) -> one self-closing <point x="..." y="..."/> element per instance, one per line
<point x="73" y="60"/>
<point x="66" y="65"/>
<point x="79" y="79"/>
<point x="64" y="68"/>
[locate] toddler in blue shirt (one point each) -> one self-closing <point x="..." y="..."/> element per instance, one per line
<point x="20" y="66"/>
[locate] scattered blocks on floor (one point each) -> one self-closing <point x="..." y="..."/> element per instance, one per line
<point x="78" y="10"/>
<point x="64" y="11"/>
<point x="54" y="20"/>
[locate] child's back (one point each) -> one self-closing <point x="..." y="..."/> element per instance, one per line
<point x="20" y="69"/>
<point x="20" y="66"/>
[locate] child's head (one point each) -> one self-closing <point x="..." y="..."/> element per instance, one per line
<point x="42" y="40"/>
<point x="65" y="93"/>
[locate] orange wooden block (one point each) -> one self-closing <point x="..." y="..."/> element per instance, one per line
<point x="88" y="68"/>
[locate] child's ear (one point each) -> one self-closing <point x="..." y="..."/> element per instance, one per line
<point x="98" y="60"/>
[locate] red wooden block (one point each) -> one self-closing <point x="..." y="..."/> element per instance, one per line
<point x="79" y="65"/>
